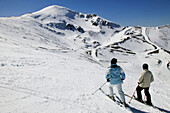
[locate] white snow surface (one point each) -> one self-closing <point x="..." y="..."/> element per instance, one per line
<point x="45" y="69"/>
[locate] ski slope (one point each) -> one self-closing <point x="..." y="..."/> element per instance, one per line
<point x="44" y="69"/>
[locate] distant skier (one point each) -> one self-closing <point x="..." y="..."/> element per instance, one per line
<point x="115" y="76"/>
<point x="144" y="83"/>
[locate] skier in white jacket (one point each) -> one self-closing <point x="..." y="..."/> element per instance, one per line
<point x="144" y="83"/>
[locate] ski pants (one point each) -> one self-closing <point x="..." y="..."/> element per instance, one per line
<point x="119" y="89"/>
<point x="146" y="90"/>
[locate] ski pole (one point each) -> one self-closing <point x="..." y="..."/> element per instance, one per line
<point x="99" y="88"/>
<point x="133" y="94"/>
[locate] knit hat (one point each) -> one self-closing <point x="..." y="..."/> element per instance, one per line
<point x="145" y="66"/>
<point x="114" y="61"/>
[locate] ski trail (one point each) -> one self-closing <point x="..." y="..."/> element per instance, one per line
<point x="113" y="38"/>
<point x="144" y="29"/>
<point x="147" y="38"/>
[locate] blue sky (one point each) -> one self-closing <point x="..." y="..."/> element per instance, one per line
<point x="148" y="13"/>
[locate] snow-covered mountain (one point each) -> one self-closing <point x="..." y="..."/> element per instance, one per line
<point x="52" y="60"/>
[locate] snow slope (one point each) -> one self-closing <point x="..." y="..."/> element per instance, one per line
<point x="52" y="60"/>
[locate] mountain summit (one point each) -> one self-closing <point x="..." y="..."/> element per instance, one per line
<point x="55" y="12"/>
<point x="58" y="16"/>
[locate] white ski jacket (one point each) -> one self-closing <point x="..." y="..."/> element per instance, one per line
<point x="145" y="79"/>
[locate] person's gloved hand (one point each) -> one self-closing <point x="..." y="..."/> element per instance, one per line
<point x="122" y="80"/>
<point x="108" y="80"/>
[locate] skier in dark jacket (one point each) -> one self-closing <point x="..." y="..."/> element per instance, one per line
<point x="115" y="76"/>
<point x="144" y="83"/>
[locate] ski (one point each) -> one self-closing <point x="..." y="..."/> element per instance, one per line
<point x="117" y="101"/>
<point x="143" y="102"/>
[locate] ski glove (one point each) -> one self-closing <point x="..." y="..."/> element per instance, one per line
<point x="108" y="80"/>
